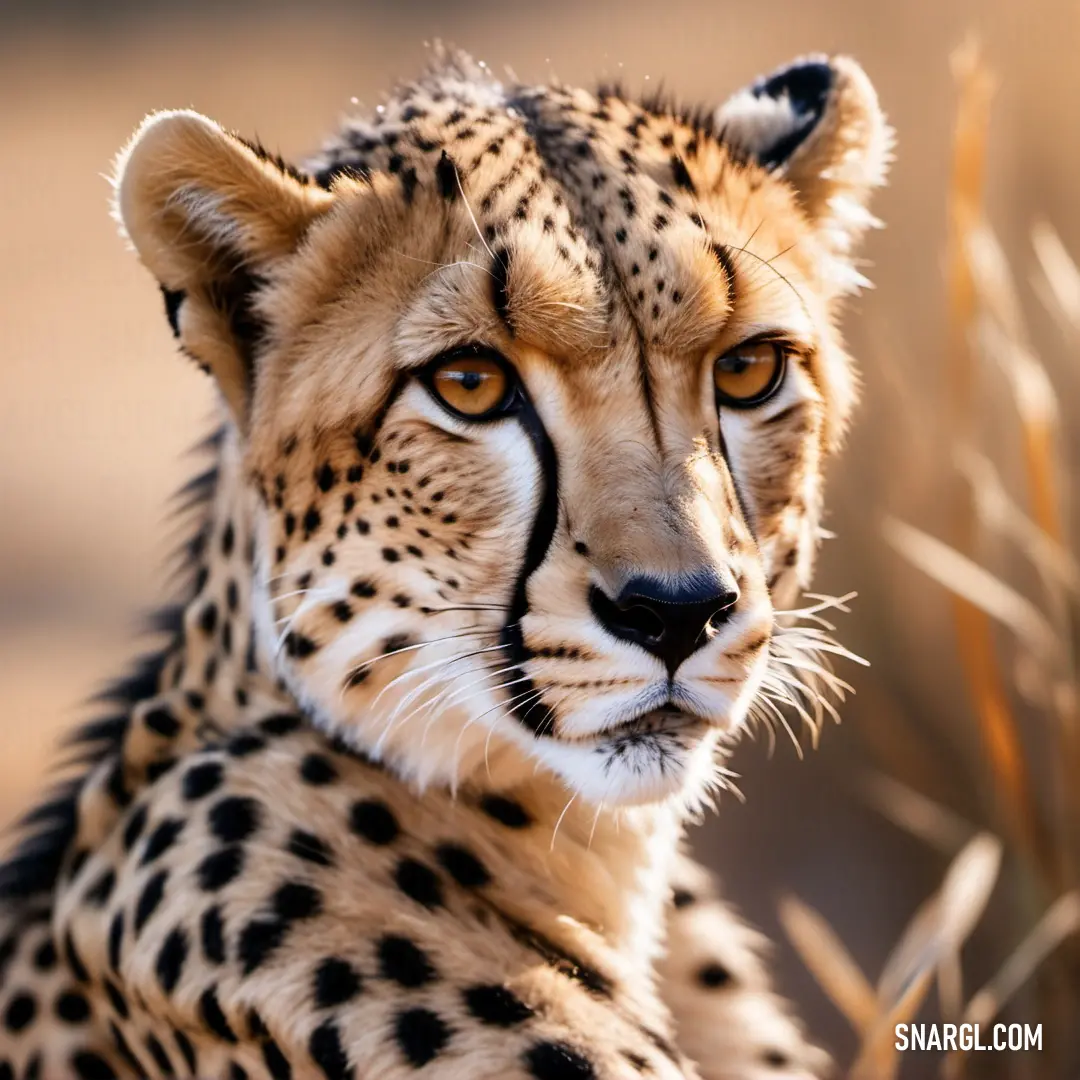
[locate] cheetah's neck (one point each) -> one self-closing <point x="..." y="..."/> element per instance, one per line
<point x="608" y="870"/>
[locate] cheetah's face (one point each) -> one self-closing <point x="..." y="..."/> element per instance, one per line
<point x="535" y="388"/>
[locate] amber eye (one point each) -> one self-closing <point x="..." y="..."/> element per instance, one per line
<point x="750" y="373"/>
<point x="476" y="386"/>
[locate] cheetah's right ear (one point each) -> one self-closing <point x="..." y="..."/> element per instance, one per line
<point x="209" y="216"/>
<point x="817" y="124"/>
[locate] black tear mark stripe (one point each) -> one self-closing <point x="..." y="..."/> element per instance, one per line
<point x="722" y="254"/>
<point x="537" y="720"/>
<point x="500" y="296"/>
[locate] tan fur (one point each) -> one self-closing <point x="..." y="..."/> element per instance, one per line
<point x="401" y="800"/>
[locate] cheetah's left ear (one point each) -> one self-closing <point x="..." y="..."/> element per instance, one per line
<point x="816" y="123"/>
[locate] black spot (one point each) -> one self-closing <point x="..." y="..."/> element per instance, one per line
<point x="336" y="982"/>
<point x="638" y="1061"/>
<point x="237" y="1072"/>
<point x="245" y="744"/>
<point x="256" y="1027"/>
<point x="462" y="865"/>
<point x="171" y="959"/>
<point x="116" y="939"/>
<point x="307" y="846"/>
<point x="446" y="177"/>
<point x="326" y="478"/>
<point x="88" y="1066"/>
<point x="212" y="935"/>
<point x="234" y="818"/>
<point x="419" y="883"/>
<point x="117" y="790"/>
<point x="162" y="722"/>
<point x="296" y="900"/>
<point x="682" y="898"/>
<point x="212" y="1015"/>
<point x="558" y="1061"/>
<point x="220" y="867"/>
<point x="45" y="955"/>
<point x="276" y="1062"/>
<point x="341" y="611"/>
<point x="98" y="894"/>
<point x="258" y="940"/>
<point x="390" y="554"/>
<point x="74" y="960"/>
<point x="496" y="1005"/>
<point x="372" y="819"/>
<point x="72" y="1007"/>
<point x="157" y="1052"/>
<point x="232" y="596"/>
<point x="713" y="975"/>
<point x="208" y="618"/>
<point x="318" y="769"/>
<point x="776" y="1059"/>
<point x="312" y="521"/>
<point x="299" y="646"/>
<point x="281" y="724"/>
<point x="289" y="522"/>
<point x="363" y="589"/>
<point x="161" y="839"/>
<point x="328" y="1053"/>
<point x="403" y="962"/>
<point x="228" y="539"/>
<point x="200" y="780"/>
<point x="421" y="1035"/>
<point x="21" y="1010"/>
<point x="187" y="1051"/>
<point x="116" y="1000"/>
<point x="505" y="811"/>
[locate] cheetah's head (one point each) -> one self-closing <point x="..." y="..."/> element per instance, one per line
<point x="533" y="388"/>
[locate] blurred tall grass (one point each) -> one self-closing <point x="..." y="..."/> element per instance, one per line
<point x="1019" y="663"/>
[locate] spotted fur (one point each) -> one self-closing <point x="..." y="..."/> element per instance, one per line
<point x="404" y="790"/>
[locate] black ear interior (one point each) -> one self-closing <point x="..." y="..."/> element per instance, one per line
<point x="773" y="117"/>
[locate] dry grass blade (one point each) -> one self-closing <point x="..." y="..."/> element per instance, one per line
<point x="1060" y="280"/>
<point x="950" y="987"/>
<point x="1059" y="923"/>
<point x="830" y="963"/>
<point x="1036" y="405"/>
<point x="878" y="1057"/>
<point x="915" y="813"/>
<point x="997" y="510"/>
<point x="976" y="585"/>
<point x="943" y="923"/>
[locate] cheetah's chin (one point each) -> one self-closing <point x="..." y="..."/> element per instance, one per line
<point x="665" y="720"/>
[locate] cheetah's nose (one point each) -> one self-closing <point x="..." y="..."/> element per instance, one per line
<point x="670" y="619"/>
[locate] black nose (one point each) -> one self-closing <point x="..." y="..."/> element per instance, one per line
<point x="670" y="620"/>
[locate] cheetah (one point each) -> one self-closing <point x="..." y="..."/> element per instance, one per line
<point x="525" y="394"/>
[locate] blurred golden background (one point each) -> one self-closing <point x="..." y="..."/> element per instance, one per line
<point x="96" y="409"/>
